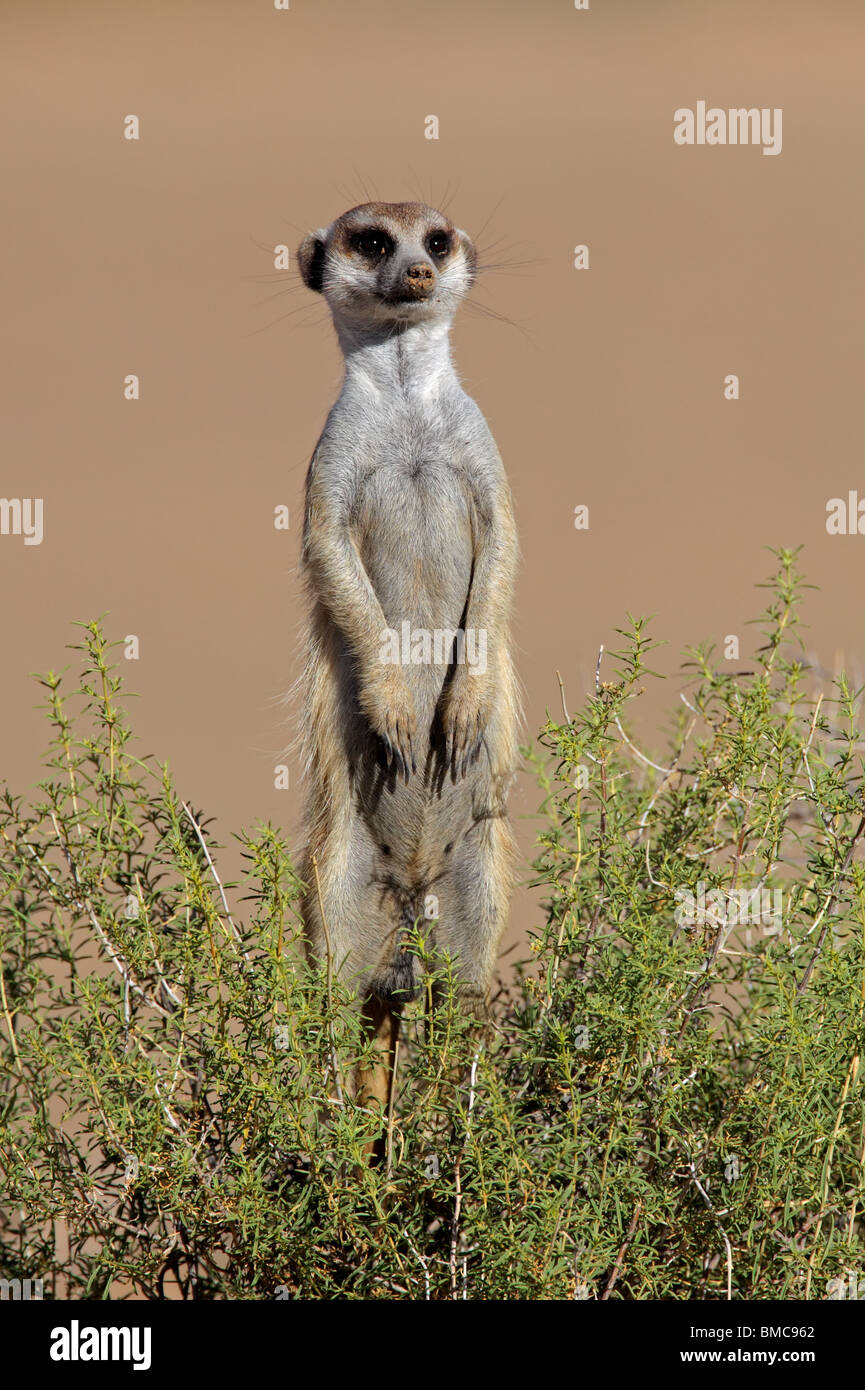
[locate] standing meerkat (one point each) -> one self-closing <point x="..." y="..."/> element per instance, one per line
<point x="409" y="551"/>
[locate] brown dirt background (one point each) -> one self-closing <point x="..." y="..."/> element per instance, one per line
<point x="556" y="129"/>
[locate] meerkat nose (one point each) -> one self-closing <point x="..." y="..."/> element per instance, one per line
<point x="419" y="278"/>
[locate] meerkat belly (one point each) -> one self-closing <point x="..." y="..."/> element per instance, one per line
<point x="413" y="530"/>
<point x="419" y="562"/>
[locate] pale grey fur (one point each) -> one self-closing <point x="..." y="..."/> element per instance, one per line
<point x="408" y="517"/>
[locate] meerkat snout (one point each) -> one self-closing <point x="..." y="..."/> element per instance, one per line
<point x="389" y="262"/>
<point x="419" y="280"/>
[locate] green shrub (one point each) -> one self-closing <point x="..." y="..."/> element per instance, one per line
<point x="666" y="1105"/>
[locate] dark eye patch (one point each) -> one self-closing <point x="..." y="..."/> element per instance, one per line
<point x="373" y="243"/>
<point x="438" y="243"/>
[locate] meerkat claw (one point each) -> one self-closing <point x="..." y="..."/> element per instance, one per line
<point x="402" y="759"/>
<point x="398" y="761"/>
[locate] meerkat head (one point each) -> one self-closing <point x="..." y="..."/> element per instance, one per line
<point x="389" y="263"/>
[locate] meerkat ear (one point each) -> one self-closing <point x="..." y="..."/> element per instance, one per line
<point x="310" y="259"/>
<point x="470" y="254"/>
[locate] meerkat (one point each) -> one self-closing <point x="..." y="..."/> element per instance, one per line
<point x="409" y="554"/>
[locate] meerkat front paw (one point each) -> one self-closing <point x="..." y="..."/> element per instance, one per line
<point x="388" y="705"/>
<point x="465" y="719"/>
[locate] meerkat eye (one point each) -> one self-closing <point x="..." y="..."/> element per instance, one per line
<point x="373" y="244"/>
<point x="438" y="243"/>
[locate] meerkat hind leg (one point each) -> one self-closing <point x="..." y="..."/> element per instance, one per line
<point x="473" y="908"/>
<point x="375" y="1079"/>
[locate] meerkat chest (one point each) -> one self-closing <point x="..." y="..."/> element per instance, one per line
<point x="414" y="456"/>
<point x="420" y="495"/>
<point x="414" y="524"/>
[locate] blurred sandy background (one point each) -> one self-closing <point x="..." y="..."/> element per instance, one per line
<point x="556" y="128"/>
